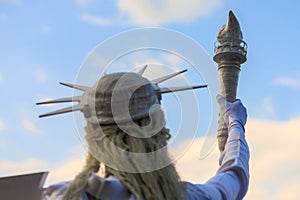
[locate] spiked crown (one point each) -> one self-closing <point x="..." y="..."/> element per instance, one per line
<point x="109" y="93"/>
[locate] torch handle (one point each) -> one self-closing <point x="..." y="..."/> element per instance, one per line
<point x="229" y="75"/>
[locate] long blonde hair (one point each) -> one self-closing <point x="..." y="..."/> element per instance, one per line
<point x="159" y="184"/>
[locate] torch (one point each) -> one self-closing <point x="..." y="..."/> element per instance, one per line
<point x="230" y="52"/>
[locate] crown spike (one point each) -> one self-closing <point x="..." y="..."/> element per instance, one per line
<point x="78" y="87"/>
<point x="164" y="78"/>
<point x="64" y="110"/>
<point x="141" y="71"/>
<point x="176" y="89"/>
<point x="61" y="100"/>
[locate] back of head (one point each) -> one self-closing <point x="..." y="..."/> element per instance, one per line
<point x="117" y="93"/>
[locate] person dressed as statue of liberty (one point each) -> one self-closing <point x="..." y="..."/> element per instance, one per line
<point x="125" y="132"/>
<point x="105" y="127"/>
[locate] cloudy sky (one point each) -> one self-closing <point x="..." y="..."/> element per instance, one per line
<point x="46" y="42"/>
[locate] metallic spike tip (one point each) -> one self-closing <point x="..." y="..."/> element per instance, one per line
<point x="142" y="70"/>
<point x="64" y="110"/>
<point x="176" y="89"/>
<point x="164" y="78"/>
<point x="61" y="100"/>
<point x="77" y="87"/>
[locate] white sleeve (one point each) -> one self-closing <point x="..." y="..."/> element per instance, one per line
<point x="56" y="191"/>
<point x="232" y="178"/>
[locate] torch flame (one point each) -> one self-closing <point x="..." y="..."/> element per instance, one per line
<point x="231" y="30"/>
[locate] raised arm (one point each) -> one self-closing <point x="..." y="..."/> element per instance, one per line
<point x="232" y="178"/>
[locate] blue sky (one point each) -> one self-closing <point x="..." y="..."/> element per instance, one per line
<point x="45" y="42"/>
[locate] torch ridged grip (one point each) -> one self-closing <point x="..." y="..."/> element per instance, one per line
<point x="229" y="76"/>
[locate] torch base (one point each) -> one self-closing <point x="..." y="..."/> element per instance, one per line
<point x="230" y="56"/>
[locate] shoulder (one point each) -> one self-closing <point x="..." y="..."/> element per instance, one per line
<point x="55" y="191"/>
<point x="195" y="191"/>
<point x="97" y="188"/>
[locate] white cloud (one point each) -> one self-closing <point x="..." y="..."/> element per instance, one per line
<point x="21" y="167"/>
<point x="96" y="20"/>
<point x="289" y="191"/>
<point x="287" y="82"/>
<point x="2" y="126"/>
<point x="274" y="160"/>
<point x="40" y="75"/>
<point x="191" y="168"/>
<point x="30" y="126"/>
<point x="66" y="170"/>
<point x="63" y="171"/>
<point x="143" y="12"/>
